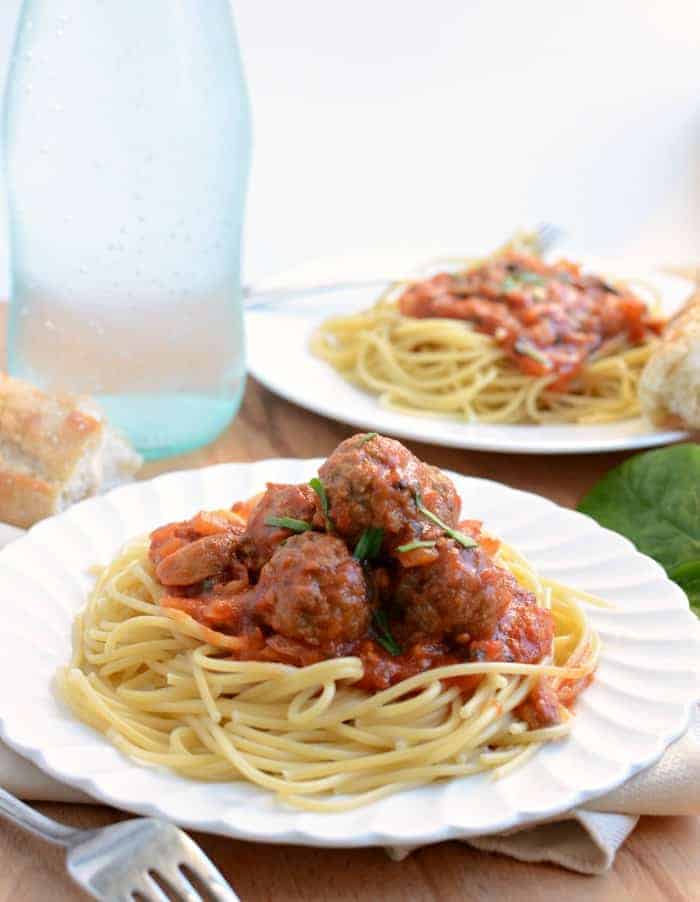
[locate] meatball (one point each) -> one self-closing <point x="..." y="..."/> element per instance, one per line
<point x="440" y="495"/>
<point x="373" y="481"/>
<point x="524" y="633"/>
<point x="462" y="593"/>
<point x="312" y="590"/>
<point x="280" y="500"/>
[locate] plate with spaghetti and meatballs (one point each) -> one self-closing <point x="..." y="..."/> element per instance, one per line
<point x="363" y="650"/>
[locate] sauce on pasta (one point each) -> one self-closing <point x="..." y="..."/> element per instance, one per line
<point x="549" y="318"/>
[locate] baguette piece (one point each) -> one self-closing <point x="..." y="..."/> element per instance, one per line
<point x="669" y="387"/>
<point x="54" y="451"/>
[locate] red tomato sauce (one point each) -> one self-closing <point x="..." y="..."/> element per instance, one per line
<point x="549" y="318"/>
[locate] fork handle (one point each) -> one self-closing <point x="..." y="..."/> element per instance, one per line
<point x="257" y="296"/>
<point x="29" y="819"/>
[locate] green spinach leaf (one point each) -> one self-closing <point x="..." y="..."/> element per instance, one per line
<point x="654" y="500"/>
<point x="688" y="578"/>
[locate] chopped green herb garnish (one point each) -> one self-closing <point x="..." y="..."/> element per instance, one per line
<point x="288" y="523"/>
<point x="413" y="545"/>
<point x="515" y="280"/>
<point x="531" y="278"/>
<point x="366" y="437"/>
<point x="369" y="544"/>
<point x="382" y="633"/>
<point x="463" y="539"/>
<point x="509" y="284"/>
<point x="320" y="490"/>
<point x="529" y="350"/>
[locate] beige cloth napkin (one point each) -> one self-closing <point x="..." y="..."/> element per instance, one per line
<point x="584" y="840"/>
<point x="587" y="839"/>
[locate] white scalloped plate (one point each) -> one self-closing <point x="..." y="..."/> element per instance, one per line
<point x="278" y="347"/>
<point x="640" y="701"/>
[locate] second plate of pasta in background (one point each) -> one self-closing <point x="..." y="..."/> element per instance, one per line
<point x="286" y="351"/>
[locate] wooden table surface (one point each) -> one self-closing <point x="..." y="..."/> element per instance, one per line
<point x="659" y="861"/>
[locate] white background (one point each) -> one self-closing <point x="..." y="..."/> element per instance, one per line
<point x="424" y="125"/>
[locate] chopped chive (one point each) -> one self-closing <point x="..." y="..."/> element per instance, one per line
<point x="411" y="546"/>
<point x="366" y="437"/>
<point x="320" y="490"/>
<point x="463" y="539"/>
<point x="522" y="346"/>
<point x="515" y="280"/>
<point x="288" y="523"/>
<point x="369" y="544"/>
<point x="531" y="278"/>
<point x="382" y="633"/>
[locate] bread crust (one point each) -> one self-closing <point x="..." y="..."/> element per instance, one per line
<point x="669" y="387"/>
<point x="51" y="452"/>
<point x="26" y="499"/>
<point x="49" y="430"/>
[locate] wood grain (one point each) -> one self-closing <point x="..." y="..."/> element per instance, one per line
<point x="658" y="863"/>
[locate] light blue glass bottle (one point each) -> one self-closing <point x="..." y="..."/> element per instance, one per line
<point x="127" y="146"/>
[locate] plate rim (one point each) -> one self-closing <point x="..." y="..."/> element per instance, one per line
<point x="298" y="836"/>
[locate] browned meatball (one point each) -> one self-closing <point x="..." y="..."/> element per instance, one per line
<point x="312" y="590"/>
<point x="440" y="495"/>
<point x="280" y="500"/>
<point x="462" y="592"/>
<point x="373" y="482"/>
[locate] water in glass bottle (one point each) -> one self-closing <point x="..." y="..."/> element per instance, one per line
<point x="127" y="154"/>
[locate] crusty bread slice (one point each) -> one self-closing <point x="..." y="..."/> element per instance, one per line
<point x="54" y="451"/>
<point x="669" y="388"/>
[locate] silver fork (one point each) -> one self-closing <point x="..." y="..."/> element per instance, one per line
<point x="141" y="858"/>
<point x="546" y="235"/>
